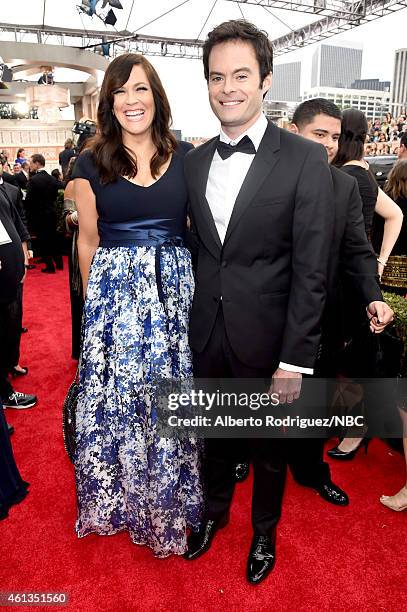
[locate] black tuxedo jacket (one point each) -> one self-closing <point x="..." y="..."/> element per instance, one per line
<point x="270" y="272"/>
<point x="42" y="192"/>
<point x="351" y="257"/>
<point x="21" y="180"/>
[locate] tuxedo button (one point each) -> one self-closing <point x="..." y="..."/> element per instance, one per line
<point x="224" y="263"/>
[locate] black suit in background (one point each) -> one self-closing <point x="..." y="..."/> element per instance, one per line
<point x="351" y="259"/>
<point x="12" y="487"/>
<point x="11" y="274"/>
<point x="40" y="204"/>
<point x="259" y="297"/>
<point x="21" y="180"/>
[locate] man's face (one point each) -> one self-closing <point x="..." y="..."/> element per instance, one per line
<point x="323" y="129"/>
<point x="235" y="91"/>
<point x="33" y="166"/>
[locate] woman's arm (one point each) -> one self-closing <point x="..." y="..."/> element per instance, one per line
<point x="88" y="239"/>
<point x="70" y="212"/>
<point x="393" y="220"/>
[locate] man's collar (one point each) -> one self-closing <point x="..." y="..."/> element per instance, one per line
<point x="255" y="132"/>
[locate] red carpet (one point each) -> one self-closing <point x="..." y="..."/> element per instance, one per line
<point x="347" y="559"/>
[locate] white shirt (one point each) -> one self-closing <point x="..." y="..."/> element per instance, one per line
<point x="225" y="180"/>
<point x="226" y="176"/>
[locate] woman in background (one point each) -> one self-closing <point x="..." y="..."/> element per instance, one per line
<point x="396" y="188"/>
<point x="75" y="283"/>
<point x="350" y="159"/>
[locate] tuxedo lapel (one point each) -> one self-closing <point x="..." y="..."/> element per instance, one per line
<point x="263" y="163"/>
<point x="201" y="182"/>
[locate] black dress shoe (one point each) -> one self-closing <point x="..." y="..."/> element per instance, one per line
<point x="200" y="541"/>
<point x="241" y="471"/>
<point x="331" y="493"/>
<point x="262" y="557"/>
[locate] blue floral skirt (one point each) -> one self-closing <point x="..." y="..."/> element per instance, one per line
<point x="127" y="477"/>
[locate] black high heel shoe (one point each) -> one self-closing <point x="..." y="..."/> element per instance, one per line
<point x="336" y="453"/>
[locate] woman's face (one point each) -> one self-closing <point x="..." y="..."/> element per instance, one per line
<point x="133" y="104"/>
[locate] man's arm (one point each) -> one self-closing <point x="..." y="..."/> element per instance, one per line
<point x="359" y="263"/>
<point x="357" y="259"/>
<point x="312" y="232"/>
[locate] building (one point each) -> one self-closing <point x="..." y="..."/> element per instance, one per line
<point x="373" y="103"/>
<point x="286" y="83"/>
<point x="279" y="112"/>
<point x="399" y="89"/>
<point x="372" y="84"/>
<point x="336" y="66"/>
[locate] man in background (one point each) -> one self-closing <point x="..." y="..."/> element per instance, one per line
<point x="40" y="204"/>
<point x="66" y="155"/>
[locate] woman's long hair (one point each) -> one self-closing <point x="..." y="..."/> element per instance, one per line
<point x="352" y="138"/>
<point x="396" y="185"/>
<point x="111" y="157"/>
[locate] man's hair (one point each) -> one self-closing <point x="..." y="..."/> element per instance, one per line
<point x="309" y="109"/>
<point x="403" y="139"/>
<point x="56" y="173"/>
<point x="241" y="30"/>
<point x="68" y="143"/>
<point x="37" y="158"/>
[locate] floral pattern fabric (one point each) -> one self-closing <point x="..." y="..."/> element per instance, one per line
<point x="128" y="477"/>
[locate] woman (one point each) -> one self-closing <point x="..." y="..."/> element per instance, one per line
<point x="75" y="284"/>
<point x="21" y="158"/>
<point x="350" y="159"/>
<point x="137" y="279"/>
<point x="396" y="188"/>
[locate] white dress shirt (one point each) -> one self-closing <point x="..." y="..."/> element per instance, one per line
<point x="225" y="180"/>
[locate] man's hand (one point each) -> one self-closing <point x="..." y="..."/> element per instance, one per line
<point x="380" y="315"/>
<point x="287" y="385"/>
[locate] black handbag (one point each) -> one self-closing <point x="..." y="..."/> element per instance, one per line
<point x="69" y="418"/>
<point x="370" y="355"/>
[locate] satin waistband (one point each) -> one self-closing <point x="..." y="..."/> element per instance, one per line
<point x="148" y="238"/>
<point x="136" y="232"/>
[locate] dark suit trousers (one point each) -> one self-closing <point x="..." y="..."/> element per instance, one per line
<point x="10" y="332"/>
<point x="218" y="360"/>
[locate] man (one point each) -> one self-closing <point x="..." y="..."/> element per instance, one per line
<point x="22" y="175"/>
<point x="351" y="258"/>
<point x="65" y="155"/>
<point x="402" y="152"/>
<point x="261" y="205"/>
<point x="13" y="260"/>
<point x="40" y="204"/>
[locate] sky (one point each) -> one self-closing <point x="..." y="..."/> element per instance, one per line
<point x="183" y="78"/>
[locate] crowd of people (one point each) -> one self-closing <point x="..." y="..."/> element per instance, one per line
<point x="278" y="229"/>
<point x="386" y="136"/>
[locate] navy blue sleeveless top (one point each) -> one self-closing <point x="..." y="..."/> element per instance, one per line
<point x="133" y="215"/>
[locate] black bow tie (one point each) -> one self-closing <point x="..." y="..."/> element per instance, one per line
<point x="243" y="146"/>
